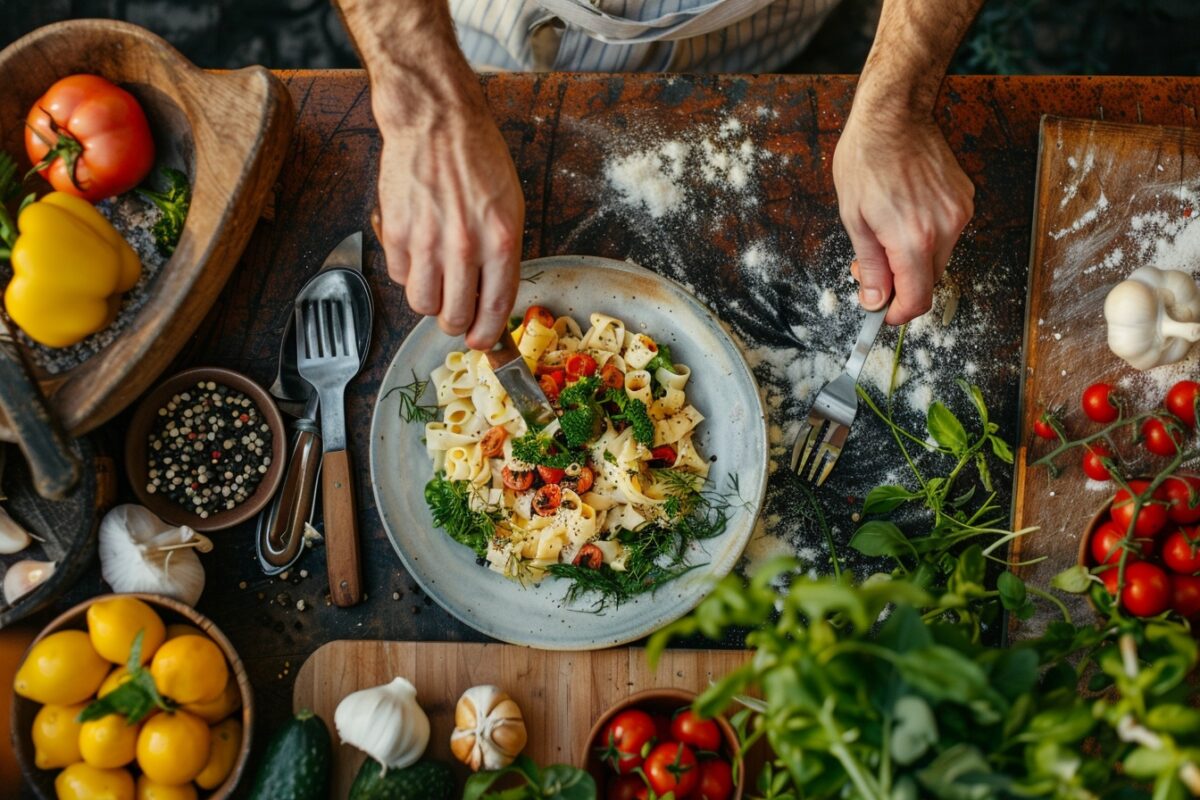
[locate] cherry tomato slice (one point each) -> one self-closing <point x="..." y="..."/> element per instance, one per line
<point x="1101" y="403"/>
<point x="1043" y="429"/>
<point x="1181" y="401"/>
<point x="672" y="767"/>
<point x="584" y="480"/>
<point x="1183" y="493"/>
<point x="589" y="556"/>
<point x="1093" y="461"/>
<point x="611" y="377"/>
<point x="689" y="729"/>
<point x="1150" y="520"/>
<point x="547" y="499"/>
<point x="541" y="314"/>
<point x="1185" y="595"/>
<point x="1181" y="551"/>
<point x="716" y="781"/>
<point x="549" y="388"/>
<point x="492" y="443"/>
<point x="580" y="365"/>
<point x="1106" y="545"/>
<point x="627" y="740"/>
<point x="517" y="480"/>
<point x="1161" y="436"/>
<point x="663" y="456"/>
<point x="550" y="474"/>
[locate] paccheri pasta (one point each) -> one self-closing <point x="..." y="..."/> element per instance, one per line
<point x="609" y="494"/>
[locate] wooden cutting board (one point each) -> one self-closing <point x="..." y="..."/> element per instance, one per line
<point x="560" y="693"/>
<point x="1107" y="195"/>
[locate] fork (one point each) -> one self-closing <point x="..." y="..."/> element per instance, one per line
<point x="327" y="357"/>
<point x="820" y="441"/>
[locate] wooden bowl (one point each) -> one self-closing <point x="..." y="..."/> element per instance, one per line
<point x="143" y="422"/>
<point x="228" y="131"/>
<point x="653" y="701"/>
<point x="171" y="611"/>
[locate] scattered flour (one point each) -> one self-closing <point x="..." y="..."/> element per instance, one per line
<point x="650" y="178"/>
<point x="828" y="304"/>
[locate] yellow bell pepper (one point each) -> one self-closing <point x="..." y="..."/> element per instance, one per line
<point x="70" y="267"/>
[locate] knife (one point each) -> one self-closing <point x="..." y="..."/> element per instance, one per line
<point x="523" y="389"/>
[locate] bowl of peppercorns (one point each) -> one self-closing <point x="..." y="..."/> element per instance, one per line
<point x="206" y="449"/>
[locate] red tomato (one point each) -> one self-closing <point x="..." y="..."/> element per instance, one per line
<point x="1147" y="591"/>
<point x="716" y="781"/>
<point x="492" y="443"/>
<point x="611" y="377"/>
<point x="662" y="728"/>
<point x="517" y="480"/>
<point x="581" y="482"/>
<point x="580" y="365"/>
<point x="1101" y="403"/>
<point x="589" y="556"/>
<point x="549" y="388"/>
<point x="1185" y="595"/>
<point x="541" y="314"/>
<point x="672" y="767"/>
<point x="89" y="137"/>
<point x="1181" y="551"/>
<point x="1043" y="428"/>
<point x="663" y="456"/>
<point x="547" y="499"/>
<point x="702" y="734"/>
<point x="626" y="787"/>
<point x="1161" y="436"/>
<point x="1151" y="519"/>
<point x="1181" y="401"/>
<point x="627" y="740"/>
<point x="551" y="474"/>
<point x="558" y="374"/>
<point x="1093" y="461"/>
<point x="1106" y="541"/>
<point x="1184" y="496"/>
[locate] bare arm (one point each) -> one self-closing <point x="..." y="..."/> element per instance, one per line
<point x="903" y="197"/>
<point x="450" y="200"/>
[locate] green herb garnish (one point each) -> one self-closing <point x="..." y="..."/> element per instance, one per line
<point x="662" y="359"/>
<point x="135" y="698"/>
<point x="450" y="504"/>
<point x="542" y="451"/>
<point x="411" y="408"/>
<point x="173" y="202"/>
<point x="633" y="412"/>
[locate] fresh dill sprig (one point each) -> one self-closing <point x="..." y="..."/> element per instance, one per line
<point x="450" y="504"/>
<point x="411" y="408"/>
<point x="533" y="278"/>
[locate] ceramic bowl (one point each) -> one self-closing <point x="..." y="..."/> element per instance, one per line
<point x="143" y="423"/>
<point x="172" y="611"/>
<point x="653" y="701"/>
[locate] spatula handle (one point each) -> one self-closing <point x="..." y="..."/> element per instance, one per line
<point x="55" y="469"/>
<point x="341" y="529"/>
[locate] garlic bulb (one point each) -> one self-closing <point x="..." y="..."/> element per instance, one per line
<point x="25" y="576"/>
<point x="489" y="729"/>
<point x="141" y="553"/>
<point x="1153" y="317"/>
<point x="13" y="538"/>
<point x="385" y="722"/>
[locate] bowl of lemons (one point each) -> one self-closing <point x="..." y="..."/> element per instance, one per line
<point x="132" y="696"/>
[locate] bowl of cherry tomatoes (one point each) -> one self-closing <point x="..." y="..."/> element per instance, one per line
<point x="652" y="743"/>
<point x="1162" y="541"/>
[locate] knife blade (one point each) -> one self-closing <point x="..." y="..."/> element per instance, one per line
<point x="523" y="389"/>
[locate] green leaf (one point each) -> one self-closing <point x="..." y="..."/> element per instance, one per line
<point x="915" y="730"/>
<point x="976" y="396"/>
<point x="942" y="673"/>
<point x="1175" y="719"/>
<point x="880" y="538"/>
<point x="1145" y="764"/>
<point x="1012" y="591"/>
<point x="985" y="474"/>
<point x="1001" y="449"/>
<point x="565" y="782"/>
<point x="479" y="783"/>
<point x="949" y="775"/>
<point x="1074" y="580"/>
<point x="969" y="572"/>
<point x="904" y="630"/>
<point x="1062" y="725"/>
<point x="945" y="429"/>
<point x="886" y="499"/>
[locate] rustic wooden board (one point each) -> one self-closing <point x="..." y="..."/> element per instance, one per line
<point x="560" y="694"/>
<point x="1095" y="180"/>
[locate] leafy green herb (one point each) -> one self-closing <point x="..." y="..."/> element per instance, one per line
<point x="411" y="408"/>
<point x="135" y="698"/>
<point x="632" y="411"/>
<point x="555" y="782"/>
<point x="450" y="504"/>
<point x="10" y="187"/>
<point x="173" y="202"/>
<point x="540" y="450"/>
<point x="661" y="360"/>
<point x="580" y="413"/>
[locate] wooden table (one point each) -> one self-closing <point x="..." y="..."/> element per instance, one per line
<point x="561" y="128"/>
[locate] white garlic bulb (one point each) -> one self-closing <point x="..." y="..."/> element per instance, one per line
<point x="141" y="553"/>
<point x="1153" y="317"/>
<point x="25" y="576"/>
<point x="489" y="729"/>
<point x="13" y="538"/>
<point x="385" y="722"/>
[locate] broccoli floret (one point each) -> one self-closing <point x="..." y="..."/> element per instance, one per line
<point x="661" y="359"/>
<point x="580" y="393"/>
<point x="633" y="412"/>
<point x="580" y="412"/>
<point x="534" y="448"/>
<point x="173" y="203"/>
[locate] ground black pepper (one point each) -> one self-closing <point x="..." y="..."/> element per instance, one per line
<point x="208" y="450"/>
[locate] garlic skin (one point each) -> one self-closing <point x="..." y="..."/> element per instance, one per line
<point x="25" y="576"/>
<point x="385" y="722"/>
<point x="141" y="553"/>
<point x="13" y="538"/>
<point x="489" y="728"/>
<point x="1153" y="317"/>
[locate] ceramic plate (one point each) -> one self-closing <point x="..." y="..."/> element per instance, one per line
<point x="721" y="387"/>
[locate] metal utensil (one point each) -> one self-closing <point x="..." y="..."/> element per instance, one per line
<point x="820" y="441"/>
<point x="523" y="389"/>
<point x="327" y="357"/>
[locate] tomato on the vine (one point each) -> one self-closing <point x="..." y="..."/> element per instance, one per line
<point x="1161" y="436"/>
<point x="1185" y="595"/>
<point x="1181" y="401"/>
<point x="627" y="787"/>
<point x="716" y="781"/>
<point x="1147" y="591"/>
<point x="1183" y="494"/>
<point x="702" y="734"/>
<point x="1101" y="403"/>
<point x="672" y="767"/>
<point x="1181" y="551"/>
<point x="1043" y="429"/>
<point x="627" y="740"/>
<point x="1093" y="461"/>
<point x="1105" y="547"/>
<point x="1150" y="520"/>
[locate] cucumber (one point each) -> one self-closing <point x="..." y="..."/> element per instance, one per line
<point x="424" y="780"/>
<point x="296" y="764"/>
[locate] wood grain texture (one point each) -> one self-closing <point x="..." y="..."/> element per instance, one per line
<point x="341" y="529"/>
<point x="1093" y="179"/>
<point x="560" y="694"/>
<point x="228" y="131"/>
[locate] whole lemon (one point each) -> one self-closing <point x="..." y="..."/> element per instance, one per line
<point x="173" y="748"/>
<point x="177" y="629"/>
<point x="62" y="669"/>
<point x="226" y="743"/>
<point x="56" y="736"/>
<point x="85" y="782"/>
<point x="190" y="669"/>
<point x="149" y="790"/>
<point x="108" y="742"/>
<point x="212" y="712"/>
<point x="114" y="623"/>
<point x="115" y="678"/>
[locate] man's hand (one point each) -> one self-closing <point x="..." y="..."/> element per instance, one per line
<point x="904" y="201"/>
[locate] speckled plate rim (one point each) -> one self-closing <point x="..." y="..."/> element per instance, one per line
<point x="538" y="616"/>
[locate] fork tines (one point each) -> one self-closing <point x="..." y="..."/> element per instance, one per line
<point x="815" y="453"/>
<point x="326" y="330"/>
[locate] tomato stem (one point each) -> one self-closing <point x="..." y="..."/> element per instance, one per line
<point x="66" y="147"/>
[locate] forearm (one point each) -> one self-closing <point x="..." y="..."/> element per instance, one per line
<point x="913" y="46"/>
<point x="417" y="72"/>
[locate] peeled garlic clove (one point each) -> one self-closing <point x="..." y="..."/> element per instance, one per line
<point x="25" y="576"/>
<point x="13" y="538"/>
